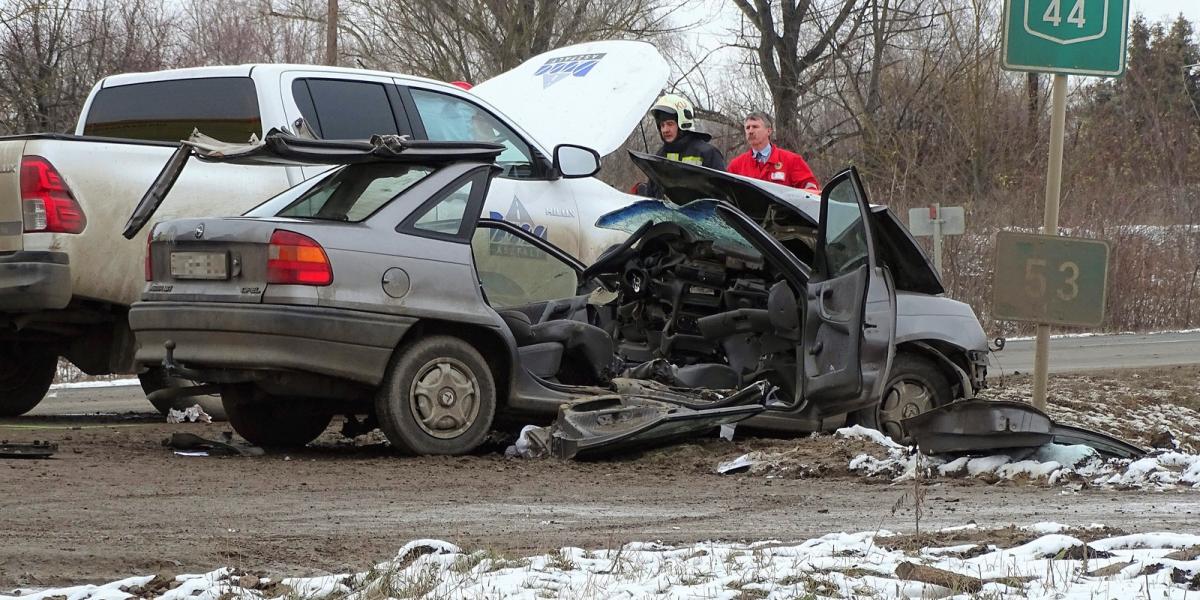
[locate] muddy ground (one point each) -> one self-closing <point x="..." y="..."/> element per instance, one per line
<point x="115" y="502"/>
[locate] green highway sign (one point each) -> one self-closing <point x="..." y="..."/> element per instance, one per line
<point x="1049" y="279"/>
<point x="1077" y="37"/>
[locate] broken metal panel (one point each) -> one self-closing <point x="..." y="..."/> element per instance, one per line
<point x="979" y="425"/>
<point x="974" y="426"/>
<point x="614" y="424"/>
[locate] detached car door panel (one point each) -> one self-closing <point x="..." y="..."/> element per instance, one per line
<point x="850" y="321"/>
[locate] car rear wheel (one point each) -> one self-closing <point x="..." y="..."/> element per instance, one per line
<point x="915" y="385"/>
<point x="156" y="379"/>
<point x="438" y="398"/>
<point x="272" y="421"/>
<point x="25" y="376"/>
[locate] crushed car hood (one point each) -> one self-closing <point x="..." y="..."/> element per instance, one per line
<point x="683" y="183"/>
<point x="591" y="94"/>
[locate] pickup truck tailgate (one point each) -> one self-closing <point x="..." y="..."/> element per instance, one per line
<point x="11" y="224"/>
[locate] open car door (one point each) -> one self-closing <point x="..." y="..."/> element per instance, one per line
<point x="850" y="321"/>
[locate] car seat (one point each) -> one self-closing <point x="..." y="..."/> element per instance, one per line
<point x="542" y="347"/>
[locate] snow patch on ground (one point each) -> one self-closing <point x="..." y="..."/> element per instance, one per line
<point x="836" y="565"/>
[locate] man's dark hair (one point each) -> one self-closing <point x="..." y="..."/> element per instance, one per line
<point x="761" y="117"/>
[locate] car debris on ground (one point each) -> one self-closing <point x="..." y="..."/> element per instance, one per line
<point x="191" y="414"/>
<point x="190" y="444"/>
<point x="35" y="449"/>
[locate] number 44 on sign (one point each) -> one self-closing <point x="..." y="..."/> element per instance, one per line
<point x="1079" y="37"/>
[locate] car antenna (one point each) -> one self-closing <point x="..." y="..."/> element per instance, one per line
<point x="642" y="128"/>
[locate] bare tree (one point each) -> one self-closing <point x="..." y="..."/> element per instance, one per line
<point x="475" y="39"/>
<point x="794" y="42"/>
<point x="52" y="51"/>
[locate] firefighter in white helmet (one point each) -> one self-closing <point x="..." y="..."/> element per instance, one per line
<point x="676" y="121"/>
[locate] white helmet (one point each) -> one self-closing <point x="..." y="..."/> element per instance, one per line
<point x="676" y="107"/>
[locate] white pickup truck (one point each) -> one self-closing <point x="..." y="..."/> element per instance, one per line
<point x="67" y="277"/>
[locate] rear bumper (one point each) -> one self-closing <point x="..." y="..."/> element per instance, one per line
<point x="34" y="280"/>
<point x="345" y="344"/>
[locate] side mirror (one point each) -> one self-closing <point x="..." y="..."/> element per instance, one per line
<point x="574" y="162"/>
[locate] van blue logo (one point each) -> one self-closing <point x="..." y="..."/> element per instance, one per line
<point x="517" y="215"/>
<point x="557" y="69"/>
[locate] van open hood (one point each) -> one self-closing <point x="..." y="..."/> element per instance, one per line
<point x="683" y="183"/>
<point x="591" y="94"/>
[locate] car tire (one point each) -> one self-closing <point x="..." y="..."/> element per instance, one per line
<point x="272" y="421"/>
<point x="439" y="398"/>
<point x="156" y="379"/>
<point x="915" y="385"/>
<point x="25" y="376"/>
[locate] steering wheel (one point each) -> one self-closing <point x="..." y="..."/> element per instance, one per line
<point x="615" y="254"/>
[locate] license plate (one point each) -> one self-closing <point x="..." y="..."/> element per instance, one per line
<point x="200" y="265"/>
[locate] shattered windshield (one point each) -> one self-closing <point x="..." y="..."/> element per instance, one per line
<point x="699" y="218"/>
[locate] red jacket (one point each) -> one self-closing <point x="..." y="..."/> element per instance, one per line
<point x="782" y="167"/>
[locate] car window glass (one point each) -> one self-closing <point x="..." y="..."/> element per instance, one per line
<point x="356" y="192"/>
<point x="845" y="232"/>
<point x="514" y="272"/>
<point x="446" y="216"/>
<point x="348" y="110"/>
<point x="451" y="119"/>
<point x="225" y="108"/>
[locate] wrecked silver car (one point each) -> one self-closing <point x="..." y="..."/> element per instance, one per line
<point x="378" y="290"/>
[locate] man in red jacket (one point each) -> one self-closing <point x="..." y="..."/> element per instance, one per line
<point x="768" y="162"/>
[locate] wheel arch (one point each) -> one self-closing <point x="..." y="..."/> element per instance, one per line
<point x="952" y="360"/>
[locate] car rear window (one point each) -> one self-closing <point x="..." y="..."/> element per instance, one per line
<point x="356" y="192"/>
<point x="225" y="108"/>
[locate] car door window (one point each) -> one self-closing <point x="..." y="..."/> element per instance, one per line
<point x="515" y="272"/>
<point x="345" y="110"/>
<point x="451" y="119"/>
<point x="846" y="245"/>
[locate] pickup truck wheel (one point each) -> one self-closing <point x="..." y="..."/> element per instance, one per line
<point x="439" y="398"/>
<point x="157" y="379"/>
<point x="25" y="377"/>
<point x="916" y="385"/>
<point x="272" y="421"/>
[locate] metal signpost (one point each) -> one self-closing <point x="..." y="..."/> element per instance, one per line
<point x="1079" y="37"/>
<point x="937" y="221"/>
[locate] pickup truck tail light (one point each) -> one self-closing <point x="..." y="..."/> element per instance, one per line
<point x="297" y="259"/>
<point x="46" y="200"/>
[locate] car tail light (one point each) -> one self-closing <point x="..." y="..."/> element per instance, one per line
<point x="297" y="259"/>
<point x="46" y="200"/>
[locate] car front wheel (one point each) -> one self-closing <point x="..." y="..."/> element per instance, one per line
<point x="438" y="398"/>
<point x="272" y="421"/>
<point x="915" y="385"/>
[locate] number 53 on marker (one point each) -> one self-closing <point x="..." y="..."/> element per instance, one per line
<point x="1049" y="279"/>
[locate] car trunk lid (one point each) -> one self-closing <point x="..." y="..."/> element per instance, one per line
<point x="213" y="260"/>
